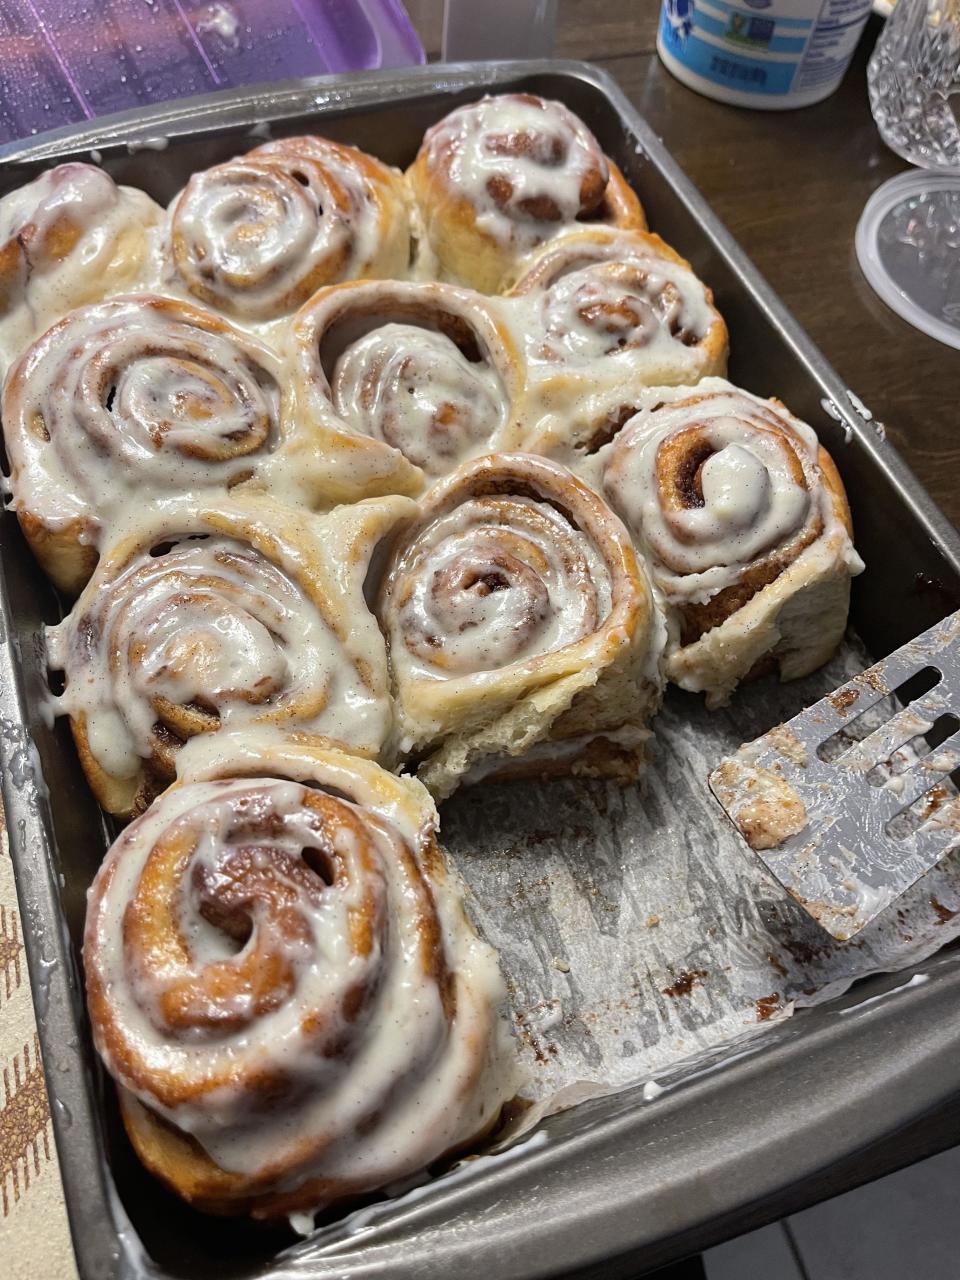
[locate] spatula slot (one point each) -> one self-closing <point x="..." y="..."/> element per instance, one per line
<point x="939" y="805"/>
<point x="913" y="750"/>
<point x="878" y="713"/>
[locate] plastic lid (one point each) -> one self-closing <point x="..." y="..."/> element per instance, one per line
<point x="908" y="244"/>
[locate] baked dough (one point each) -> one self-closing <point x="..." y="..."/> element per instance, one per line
<point x="283" y="982"/>
<point x="600" y="314"/>
<point x="258" y="235"/>
<point x="403" y="381"/>
<point x="742" y="519"/>
<point x="205" y="617"/>
<point x="521" y="629"/>
<point x="498" y="177"/>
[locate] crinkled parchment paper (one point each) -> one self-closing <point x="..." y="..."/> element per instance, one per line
<point x="636" y="929"/>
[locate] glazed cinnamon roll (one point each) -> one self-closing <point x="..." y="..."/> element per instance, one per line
<point x="205" y="617"/>
<point x="131" y="400"/>
<point x="405" y="381"/>
<point x="258" y="235"/>
<point x="521" y="631"/>
<point x="498" y="177"/>
<point x="70" y="237"/>
<point x="283" y="982"/>
<point x="745" y="527"/>
<point x="604" y="313"/>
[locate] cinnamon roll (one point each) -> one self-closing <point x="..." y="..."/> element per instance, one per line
<point x="283" y="983"/>
<point x="70" y="237"/>
<point x="258" y="235"/>
<point x="404" y="381"/>
<point x="498" y="177"/>
<point x="204" y="617"/>
<point x="131" y="400"/>
<point x="604" y="313"/>
<point x="744" y="524"/>
<point x="521" y="631"/>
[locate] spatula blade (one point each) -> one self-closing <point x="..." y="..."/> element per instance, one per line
<point x="848" y="804"/>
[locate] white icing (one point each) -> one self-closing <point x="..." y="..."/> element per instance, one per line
<point x="69" y="237"/>
<point x="226" y="632"/>
<point x="370" y="1095"/>
<point x="259" y="234"/>
<point x="618" y="309"/>
<point x="424" y="265"/>
<point x="138" y="398"/>
<point x="595" y="333"/>
<point x="495" y="581"/>
<point x="302" y="1224"/>
<point x="426" y="372"/>
<point x="415" y="389"/>
<point x="521" y="162"/>
<point x="760" y="485"/>
<point x="736" y="486"/>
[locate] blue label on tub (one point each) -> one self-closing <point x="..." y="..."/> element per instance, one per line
<point x="715" y="39"/>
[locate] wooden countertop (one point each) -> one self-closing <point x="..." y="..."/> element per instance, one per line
<point x="790" y="186"/>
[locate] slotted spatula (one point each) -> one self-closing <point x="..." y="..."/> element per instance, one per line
<point x="851" y="802"/>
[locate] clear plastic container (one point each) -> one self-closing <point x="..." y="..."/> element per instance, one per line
<point x="69" y="60"/>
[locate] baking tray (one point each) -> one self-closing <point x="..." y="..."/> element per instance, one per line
<point x="609" y="1187"/>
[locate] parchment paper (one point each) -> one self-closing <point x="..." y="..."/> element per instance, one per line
<point x="636" y="929"/>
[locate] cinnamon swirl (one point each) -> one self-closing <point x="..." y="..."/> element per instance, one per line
<point x="70" y="237"/>
<point x="404" y="382"/>
<point x="128" y="401"/>
<point x="744" y="523"/>
<point x="283" y="982"/>
<point x="204" y="617"/>
<point x="258" y="235"/>
<point x="498" y="177"/>
<point x="604" y="313"/>
<point x="521" y="631"/>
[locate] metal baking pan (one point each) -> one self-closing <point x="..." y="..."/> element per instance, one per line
<point x="815" y="1104"/>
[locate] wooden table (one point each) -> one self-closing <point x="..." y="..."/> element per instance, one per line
<point x="790" y="185"/>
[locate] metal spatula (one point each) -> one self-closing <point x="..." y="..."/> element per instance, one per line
<point x="852" y="801"/>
